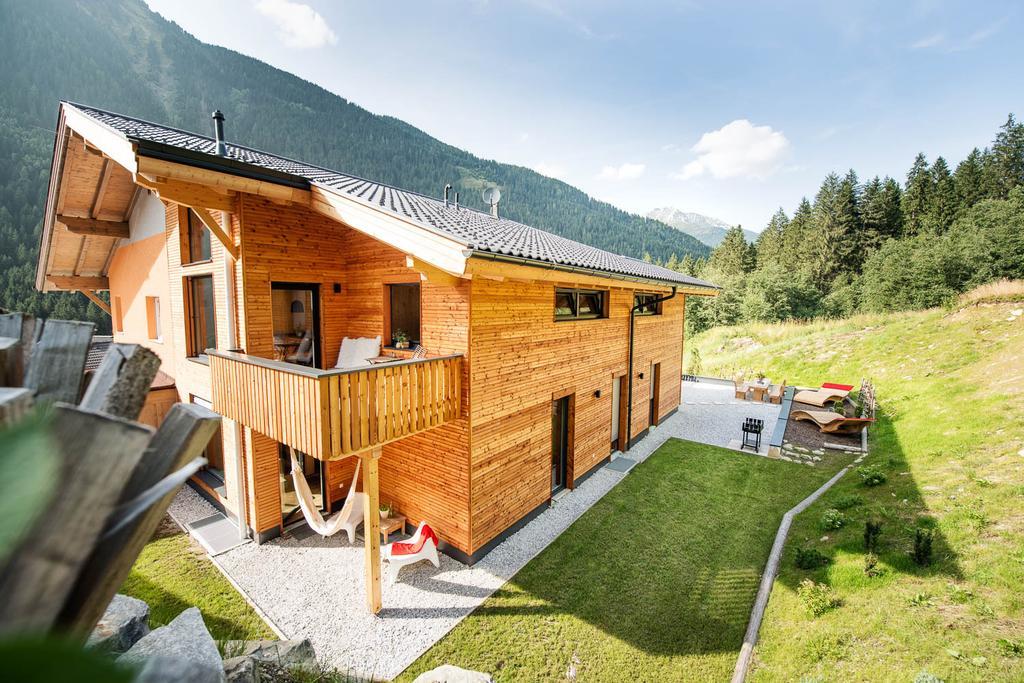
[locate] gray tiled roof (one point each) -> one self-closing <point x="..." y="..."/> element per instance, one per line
<point x="477" y="230"/>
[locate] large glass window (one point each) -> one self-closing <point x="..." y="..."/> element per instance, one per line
<point x="645" y="301"/>
<point x="579" y="304"/>
<point x="198" y="239"/>
<point x="202" y="315"/>
<point x="404" y="305"/>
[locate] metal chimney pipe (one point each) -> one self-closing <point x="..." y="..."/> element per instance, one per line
<point x="494" y="210"/>
<point x="218" y="133"/>
<point x="456" y="200"/>
<point x="447" y="189"/>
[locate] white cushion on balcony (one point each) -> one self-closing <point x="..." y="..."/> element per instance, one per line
<point x="355" y="353"/>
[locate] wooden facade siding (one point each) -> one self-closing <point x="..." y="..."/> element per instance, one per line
<point x="522" y="359"/>
<point x="331" y="414"/>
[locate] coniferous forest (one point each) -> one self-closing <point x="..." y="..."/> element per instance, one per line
<point x="875" y="245"/>
<point x="119" y="55"/>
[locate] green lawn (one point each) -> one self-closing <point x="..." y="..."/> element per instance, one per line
<point x="951" y="443"/>
<point x="172" y="574"/>
<point x="655" y="582"/>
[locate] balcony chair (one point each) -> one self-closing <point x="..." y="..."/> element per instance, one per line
<point x="350" y="517"/>
<point x="419" y="352"/>
<point x="422" y="546"/>
<point x="304" y="353"/>
<point x="833" y="423"/>
<point x="356" y="353"/>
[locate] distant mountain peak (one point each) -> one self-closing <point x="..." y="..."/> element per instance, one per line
<point x="709" y="230"/>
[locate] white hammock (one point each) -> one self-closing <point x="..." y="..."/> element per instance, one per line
<point x="351" y="512"/>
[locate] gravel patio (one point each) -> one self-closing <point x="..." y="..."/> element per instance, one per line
<point x="312" y="587"/>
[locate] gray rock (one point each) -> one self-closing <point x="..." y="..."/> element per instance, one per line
<point x="164" y="669"/>
<point x="284" y="652"/>
<point x="241" y="670"/>
<point x="121" y="626"/>
<point x="447" y="673"/>
<point x="183" y="643"/>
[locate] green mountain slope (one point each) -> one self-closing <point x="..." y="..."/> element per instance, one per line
<point x="117" y="54"/>
<point x="948" y="439"/>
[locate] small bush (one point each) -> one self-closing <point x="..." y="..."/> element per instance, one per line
<point x="960" y="594"/>
<point x="872" y="530"/>
<point x="920" y="600"/>
<point x="810" y="558"/>
<point x="871" y="475"/>
<point x="1011" y="648"/>
<point x="871" y="568"/>
<point x="923" y="547"/>
<point x="845" y="502"/>
<point x="828" y="646"/>
<point x="817" y="597"/>
<point x="832" y="519"/>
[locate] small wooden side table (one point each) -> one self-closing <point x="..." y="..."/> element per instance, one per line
<point x="392" y="524"/>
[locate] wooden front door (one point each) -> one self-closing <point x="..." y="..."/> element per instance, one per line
<point x="655" y="394"/>
<point x="559" y="443"/>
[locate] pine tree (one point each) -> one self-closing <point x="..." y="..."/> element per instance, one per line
<point x="733" y="256"/>
<point x="828" y="220"/>
<point x="850" y="248"/>
<point x="687" y="266"/>
<point x="768" y="246"/>
<point x="795" y="244"/>
<point x="1008" y="156"/>
<point x="916" y="196"/>
<point x="942" y="204"/>
<point x="969" y="181"/>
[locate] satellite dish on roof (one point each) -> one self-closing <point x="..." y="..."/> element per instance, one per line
<point x="492" y="195"/>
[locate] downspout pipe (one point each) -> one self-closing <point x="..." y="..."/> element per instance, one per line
<point x="232" y="343"/>
<point x="632" y="329"/>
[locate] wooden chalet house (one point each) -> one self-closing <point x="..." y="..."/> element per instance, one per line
<point x="245" y="271"/>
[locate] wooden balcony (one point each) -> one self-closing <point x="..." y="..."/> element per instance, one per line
<point x="331" y="414"/>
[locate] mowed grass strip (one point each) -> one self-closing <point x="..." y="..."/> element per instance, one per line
<point x="655" y="582"/>
<point x="173" y="573"/>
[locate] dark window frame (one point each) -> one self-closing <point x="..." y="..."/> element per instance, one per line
<point x="192" y="339"/>
<point x="602" y="304"/>
<point x="389" y="326"/>
<point x="195" y="228"/>
<point x="649" y="309"/>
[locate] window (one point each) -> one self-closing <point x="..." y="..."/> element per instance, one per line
<point x="404" y="312"/>
<point x="646" y="302"/>
<point x="118" y="315"/>
<point x="202" y="318"/>
<point x="198" y="239"/>
<point x="579" y="304"/>
<point x="153" y="317"/>
<point x="214" y="454"/>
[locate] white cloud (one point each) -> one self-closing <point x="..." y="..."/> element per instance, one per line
<point x="929" y="41"/>
<point x="550" y="170"/>
<point x="626" y="171"/>
<point x="298" y="24"/>
<point x="737" y="149"/>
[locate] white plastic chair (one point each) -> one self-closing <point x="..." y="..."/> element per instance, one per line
<point x="424" y="541"/>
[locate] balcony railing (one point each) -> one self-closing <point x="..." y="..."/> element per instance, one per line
<point x="333" y="413"/>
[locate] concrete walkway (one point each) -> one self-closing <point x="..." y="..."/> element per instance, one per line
<point x="313" y="587"/>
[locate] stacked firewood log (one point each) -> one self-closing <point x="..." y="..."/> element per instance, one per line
<point x="83" y="485"/>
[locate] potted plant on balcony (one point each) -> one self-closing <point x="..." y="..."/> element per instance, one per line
<point x="401" y="339"/>
<point x="385" y="510"/>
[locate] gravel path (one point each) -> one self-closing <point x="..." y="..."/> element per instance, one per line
<point x="313" y="587"/>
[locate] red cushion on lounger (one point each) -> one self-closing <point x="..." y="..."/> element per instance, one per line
<point x="841" y="387"/>
<point x="413" y="548"/>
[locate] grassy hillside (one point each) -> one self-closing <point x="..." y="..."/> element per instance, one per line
<point x="951" y="444"/>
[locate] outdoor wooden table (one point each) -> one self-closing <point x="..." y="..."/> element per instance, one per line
<point x="760" y="388"/>
<point x="391" y="524"/>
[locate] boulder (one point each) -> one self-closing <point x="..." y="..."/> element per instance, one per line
<point x="183" y="650"/>
<point x="448" y="673"/>
<point x="283" y="652"/>
<point x="121" y="626"/>
<point x="241" y="670"/>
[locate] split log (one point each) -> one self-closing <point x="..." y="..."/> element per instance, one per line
<point x="15" y="404"/>
<point x="57" y="363"/>
<point x="97" y="454"/>
<point x="121" y="383"/>
<point x="22" y="327"/>
<point x="10" y="362"/>
<point x="182" y="436"/>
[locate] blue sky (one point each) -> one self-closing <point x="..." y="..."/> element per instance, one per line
<point x="728" y="109"/>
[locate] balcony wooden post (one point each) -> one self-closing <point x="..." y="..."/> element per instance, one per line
<point x="369" y="460"/>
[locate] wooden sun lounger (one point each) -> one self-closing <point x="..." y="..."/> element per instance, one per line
<point x="821" y="396"/>
<point x="832" y="423"/>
